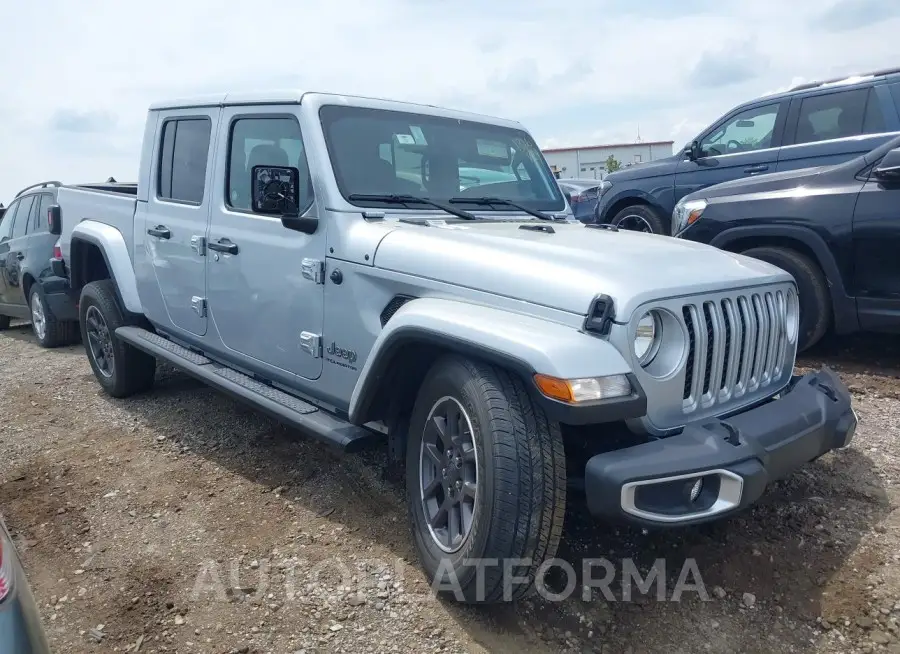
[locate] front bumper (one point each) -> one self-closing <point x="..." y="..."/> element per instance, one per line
<point x="717" y="467"/>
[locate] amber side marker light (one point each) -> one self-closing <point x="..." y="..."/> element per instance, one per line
<point x="586" y="389"/>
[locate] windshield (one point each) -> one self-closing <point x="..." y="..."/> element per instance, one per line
<point x="378" y="152"/>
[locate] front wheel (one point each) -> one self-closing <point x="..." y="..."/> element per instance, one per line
<point x="121" y="369"/>
<point x="486" y="482"/>
<point x="640" y="218"/>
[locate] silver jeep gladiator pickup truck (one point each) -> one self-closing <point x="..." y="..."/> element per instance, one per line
<point x="369" y="270"/>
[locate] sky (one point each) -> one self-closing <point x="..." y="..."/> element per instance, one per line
<point x="76" y="77"/>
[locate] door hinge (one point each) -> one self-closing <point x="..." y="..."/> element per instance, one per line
<point x="198" y="245"/>
<point x="313" y="269"/>
<point x="198" y="304"/>
<point x="311" y="344"/>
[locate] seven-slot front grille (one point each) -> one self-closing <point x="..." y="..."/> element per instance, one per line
<point x="735" y="346"/>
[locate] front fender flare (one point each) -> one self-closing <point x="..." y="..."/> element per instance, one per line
<point x="525" y="345"/>
<point x="115" y="253"/>
<point x="843" y="306"/>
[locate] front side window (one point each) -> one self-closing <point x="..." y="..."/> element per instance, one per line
<point x="832" y="116"/>
<point x="379" y="152"/>
<point x="272" y="141"/>
<point x="183" y="157"/>
<point x="22" y="215"/>
<point x="747" y="131"/>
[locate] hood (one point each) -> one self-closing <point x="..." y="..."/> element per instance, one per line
<point x="565" y="270"/>
<point x="785" y="180"/>
<point x="653" y="168"/>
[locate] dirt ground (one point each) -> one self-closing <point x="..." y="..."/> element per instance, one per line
<point x="181" y="521"/>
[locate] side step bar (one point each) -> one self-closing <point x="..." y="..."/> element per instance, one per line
<point x="280" y="405"/>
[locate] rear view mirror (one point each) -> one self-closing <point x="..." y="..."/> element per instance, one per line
<point x="276" y="191"/>
<point x="888" y="169"/>
<point x="54" y="219"/>
<point x="745" y="123"/>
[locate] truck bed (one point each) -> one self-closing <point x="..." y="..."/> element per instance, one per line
<point x="112" y="204"/>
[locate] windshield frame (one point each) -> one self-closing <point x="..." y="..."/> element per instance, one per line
<point x="554" y="204"/>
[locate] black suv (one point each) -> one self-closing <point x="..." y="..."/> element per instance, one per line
<point x="813" y="124"/>
<point x="29" y="287"/>
<point x="836" y="229"/>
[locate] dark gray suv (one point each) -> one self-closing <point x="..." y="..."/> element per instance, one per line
<point x="29" y="287"/>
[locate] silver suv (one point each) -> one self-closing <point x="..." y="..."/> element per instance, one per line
<point x="369" y="270"/>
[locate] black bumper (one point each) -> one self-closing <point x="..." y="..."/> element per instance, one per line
<point x="58" y="294"/>
<point x="734" y="458"/>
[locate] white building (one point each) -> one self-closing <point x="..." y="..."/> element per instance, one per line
<point x="590" y="161"/>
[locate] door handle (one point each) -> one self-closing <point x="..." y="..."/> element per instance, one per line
<point x="761" y="168"/>
<point x="160" y="231"/>
<point x="223" y="245"/>
<point x="20" y="255"/>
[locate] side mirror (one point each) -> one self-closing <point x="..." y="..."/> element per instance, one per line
<point x="694" y="151"/>
<point x="276" y="191"/>
<point x="54" y="219"/>
<point x="888" y="168"/>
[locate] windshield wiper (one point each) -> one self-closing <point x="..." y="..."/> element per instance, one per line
<point x="508" y="203"/>
<point x="392" y="198"/>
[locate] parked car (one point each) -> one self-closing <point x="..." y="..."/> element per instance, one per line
<point x="20" y="622"/>
<point x="814" y="124"/>
<point x="582" y="195"/>
<point x="835" y="229"/>
<point x="29" y="289"/>
<point x="485" y="335"/>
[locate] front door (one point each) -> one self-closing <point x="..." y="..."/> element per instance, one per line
<point x="6" y="225"/>
<point x="173" y="222"/>
<point x="742" y="144"/>
<point x="876" y="244"/>
<point x="265" y="303"/>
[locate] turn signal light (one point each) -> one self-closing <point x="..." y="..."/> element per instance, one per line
<point x="587" y="389"/>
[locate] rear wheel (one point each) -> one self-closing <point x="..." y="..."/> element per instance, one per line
<point x="121" y="369"/>
<point x="640" y="218"/>
<point x="486" y="482"/>
<point x="49" y="331"/>
<point x="812" y="290"/>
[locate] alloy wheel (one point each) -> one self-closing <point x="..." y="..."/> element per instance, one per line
<point x="99" y="341"/>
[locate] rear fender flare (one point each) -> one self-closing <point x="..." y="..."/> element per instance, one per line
<point x="112" y="246"/>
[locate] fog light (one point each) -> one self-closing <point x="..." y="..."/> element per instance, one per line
<point x="696" y="488"/>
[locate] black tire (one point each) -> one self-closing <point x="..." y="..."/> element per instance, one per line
<point x="521" y="497"/>
<point x="641" y="218"/>
<point x="812" y="291"/>
<point x="4" y="322"/>
<point x="131" y="370"/>
<point x="53" y="332"/>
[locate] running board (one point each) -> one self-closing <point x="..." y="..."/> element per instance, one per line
<point x="282" y="406"/>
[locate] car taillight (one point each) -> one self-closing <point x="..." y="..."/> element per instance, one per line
<point x="6" y="570"/>
<point x="577" y="198"/>
<point x="57" y="252"/>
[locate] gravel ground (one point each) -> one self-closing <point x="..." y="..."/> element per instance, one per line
<point x="180" y="521"/>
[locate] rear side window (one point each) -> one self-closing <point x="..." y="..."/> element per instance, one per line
<point x="22" y="215"/>
<point x="183" y="157"/>
<point x="38" y="222"/>
<point x="6" y="222"/>
<point x="833" y="116"/>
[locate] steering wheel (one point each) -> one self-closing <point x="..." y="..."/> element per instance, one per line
<point x="733" y="145"/>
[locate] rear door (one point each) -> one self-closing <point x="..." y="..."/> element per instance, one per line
<point x="172" y="223"/>
<point x="744" y="143"/>
<point x="831" y="126"/>
<point x="18" y="244"/>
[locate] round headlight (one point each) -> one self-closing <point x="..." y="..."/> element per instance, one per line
<point x="647" y="337"/>
<point x="792" y="321"/>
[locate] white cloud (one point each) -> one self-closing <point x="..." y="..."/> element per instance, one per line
<point x="76" y="86"/>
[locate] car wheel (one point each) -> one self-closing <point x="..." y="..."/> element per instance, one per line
<point x="812" y="291"/>
<point x="121" y="369"/>
<point x="640" y="218"/>
<point x="486" y="482"/>
<point x="48" y="331"/>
